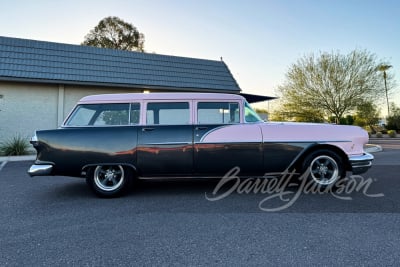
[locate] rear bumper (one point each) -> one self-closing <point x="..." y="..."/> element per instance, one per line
<point x="361" y="163"/>
<point x="40" y="170"/>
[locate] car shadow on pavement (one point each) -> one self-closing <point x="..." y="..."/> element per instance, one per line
<point x="201" y="196"/>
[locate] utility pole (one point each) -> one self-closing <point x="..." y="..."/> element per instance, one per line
<point x="384" y="68"/>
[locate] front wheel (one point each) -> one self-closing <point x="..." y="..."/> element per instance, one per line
<point x="109" y="180"/>
<point x="324" y="167"/>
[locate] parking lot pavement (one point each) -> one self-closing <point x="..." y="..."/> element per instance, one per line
<point x="56" y="221"/>
<point x="4" y="160"/>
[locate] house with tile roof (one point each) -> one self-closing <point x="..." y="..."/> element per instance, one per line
<point x="41" y="81"/>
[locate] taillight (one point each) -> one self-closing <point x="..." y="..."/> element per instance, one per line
<point x="34" y="140"/>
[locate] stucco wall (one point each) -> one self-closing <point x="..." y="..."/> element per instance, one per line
<point x="26" y="107"/>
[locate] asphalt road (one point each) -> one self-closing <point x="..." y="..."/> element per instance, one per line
<point x="56" y="221"/>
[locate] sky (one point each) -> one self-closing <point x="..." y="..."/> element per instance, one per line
<point x="258" y="39"/>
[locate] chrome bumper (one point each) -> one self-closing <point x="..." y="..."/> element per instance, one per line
<point x="40" y="170"/>
<point x="361" y="163"/>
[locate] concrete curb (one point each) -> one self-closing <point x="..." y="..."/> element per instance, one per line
<point x="372" y="148"/>
<point x="385" y="138"/>
<point x="18" y="158"/>
<point x="2" y="164"/>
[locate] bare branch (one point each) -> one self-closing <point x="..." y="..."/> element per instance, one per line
<point x="331" y="83"/>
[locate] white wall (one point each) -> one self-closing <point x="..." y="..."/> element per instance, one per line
<point x="26" y="107"/>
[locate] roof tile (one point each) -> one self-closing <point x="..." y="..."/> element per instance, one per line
<point x="22" y="59"/>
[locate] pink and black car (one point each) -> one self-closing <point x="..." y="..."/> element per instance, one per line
<point x="113" y="139"/>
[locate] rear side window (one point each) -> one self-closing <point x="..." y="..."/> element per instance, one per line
<point x="168" y="113"/>
<point x="218" y="112"/>
<point x="105" y="114"/>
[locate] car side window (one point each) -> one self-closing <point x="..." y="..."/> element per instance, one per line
<point x="82" y="115"/>
<point x="250" y="115"/>
<point x="112" y="114"/>
<point x="105" y="114"/>
<point x="134" y="116"/>
<point x="168" y="113"/>
<point x="218" y="112"/>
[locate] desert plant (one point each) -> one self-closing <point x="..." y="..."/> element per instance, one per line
<point x="15" y="146"/>
<point x="392" y="133"/>
<point x="379" y="135"/>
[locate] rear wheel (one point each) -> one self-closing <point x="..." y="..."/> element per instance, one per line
<point x="109" y="180"/>
<point x="324" y="167"/>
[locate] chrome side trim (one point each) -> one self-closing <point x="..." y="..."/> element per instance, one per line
<point x="98" y="126"/>
<point x="169" y="143"/>
<point x="40" y="170"/>
<point x="306" y="141"/>
<point x="226" y="143"/>
<point x="213" y="130"/>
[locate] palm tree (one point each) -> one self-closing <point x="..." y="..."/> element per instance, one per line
<point x="384" y="68"/>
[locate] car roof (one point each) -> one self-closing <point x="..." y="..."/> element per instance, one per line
<point x="132" y="97"/>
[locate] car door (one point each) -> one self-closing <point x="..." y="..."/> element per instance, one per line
<point x="221" y="142"/>
<point x="165" y="143"/>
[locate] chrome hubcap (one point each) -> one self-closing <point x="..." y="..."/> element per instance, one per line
<point x="108" y="178"/>
<point x="324" y="170"/>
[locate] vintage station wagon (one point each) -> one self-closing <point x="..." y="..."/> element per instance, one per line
<point x="116" y="138"/>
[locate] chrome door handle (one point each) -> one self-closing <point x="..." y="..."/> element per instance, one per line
<point x="148" y="129"/>
<point x="201" y="128"/>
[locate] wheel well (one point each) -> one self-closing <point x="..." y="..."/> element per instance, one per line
<point x="308" y="151"/>
<point x="86" y="168"/>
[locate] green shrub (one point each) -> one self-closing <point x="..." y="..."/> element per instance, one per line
<point x="393" y="122"/>
<point x="392" y="133"/>
<point x="15" y="146"/>
<point x="379" y="134"/>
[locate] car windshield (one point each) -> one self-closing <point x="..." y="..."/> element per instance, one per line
<point x="250" y="115"/>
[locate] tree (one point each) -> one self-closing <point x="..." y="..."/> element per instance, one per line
<point x="367" y="114"/>
<point x="113" y="32"/>
<point x="393" y="121"/>
<point x="293" y="112"/>
<point x="330" y="84"/>
<point x="348" y="120"/>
